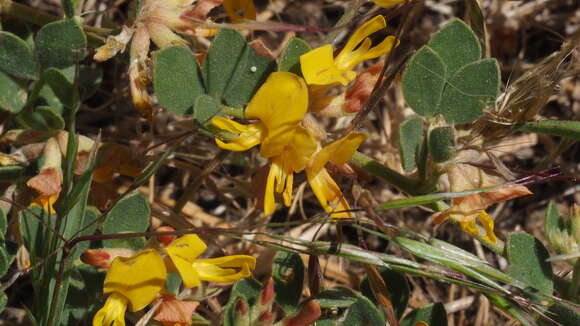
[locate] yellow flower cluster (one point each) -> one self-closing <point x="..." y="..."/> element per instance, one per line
<point x="136" y="281"/>
<point x="280" y="105"/>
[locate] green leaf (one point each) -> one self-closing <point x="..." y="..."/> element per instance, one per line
<point x="288" y="275"/>
<point x="568" y="129"/>
<point x="222" y="59"/>
<point x="176" y="79"/>
<point x="252" y="69"/>
<point x="563" y="314"/>
<point x="456" y="44"/>
<point x="12" y="96"/>
<point x="433" y="315"/>
<point x="5" y="260"/>
<point x="410" y="142"/>
<point x="3" y="224"/>
<point x="247" y="289"/>
<point x="424" y="81"/>
<point x="84" y="292"/>
<point x="442" y="143"/>
<point x="16" y="57"/>
<point x="61" y="86"/>
<point x="290" y="58"/>
<point x="476" y="21"/>
<point x="130" y="214"/>
<point x="555" y="226"/>
<point x="473" y="88"/>
<point x="3" y="301"/>
<point x="60" y="44"/>
<point x="527" y="257"/>
<point x="42" y="118"/>
<point x="398" y="290"/>
<point x="206" y="107"/>
<point x="363" y="312"/>
<point x="336" y="298"/>
<point x="447" y="76"/>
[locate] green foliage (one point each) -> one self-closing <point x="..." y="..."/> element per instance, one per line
<point x="16" y="57"/>
<point x="288" y="275"/>
<point x="12" y="95"/>
<point x="130" y="214"/>
<point x="60" y="44"/>
<point x="61" y="86"/>
<point x="563" y="314"/>
<point x="176" y="79"/>
<point x="206" y="107"/>
<point x="246" y="289"/>
<point x="527" y="257"/>
<point x="398" y="290"/>
<point x="223" y="57"/>
<point x="448" y="76"/>
<point x="290" y="58"/>
<point x="442" y="143"/>
<point x="42" y="118"/>
<point x="410" y="142"/>
<point x="250" y="73"/>
<point x="433" y="315"/>
<point x="568" y="129"/>
<point x="359" y="310"/>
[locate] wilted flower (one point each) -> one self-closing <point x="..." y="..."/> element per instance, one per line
<point x="158" y="21"/>
<point x="470" y="209"/>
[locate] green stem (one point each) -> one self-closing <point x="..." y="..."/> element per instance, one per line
<point x="389" y="175"/>
<point x="573" y="289"/>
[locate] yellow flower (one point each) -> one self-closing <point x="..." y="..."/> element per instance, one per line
<point x="281" y="105"/>
<point x="325" y="189"/>
<point x="133" y="281"/>
<point x="320" y="68"/>
<point x="245" y="6"/>
<point x="183" y="253"/>
<point x="388" y="3"/>
<point x="137" y="280"/>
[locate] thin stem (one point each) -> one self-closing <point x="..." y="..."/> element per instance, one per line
<point x="196" y="182"/>
<point x="389" y="175"/>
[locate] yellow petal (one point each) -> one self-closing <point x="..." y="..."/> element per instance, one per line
<point x="288" y="189"/>
<point x="380" y="49"/>
<point x="183" y="252"/>
<point x="246" y="6"/>
<point x="487" y="223"/>
<point x="328" y="194"/>
<point x="281" y="100"/>
<point x="269" y="196"/>
<point x="139" y="278"/>
<point x="294" y="148"/>
<point x="387" y="3"/>
<point x="343" y="59"/>
<point x="225" y="269"/>
<point x="337" y="152"/>
<point x="113" y="312"/>
<point x="319" y="68"/>
<point x="469" y="227"/>
<point x="249" y="135"/>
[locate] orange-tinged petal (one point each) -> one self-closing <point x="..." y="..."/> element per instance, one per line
<point x="139" y="278"/>
<point x="319" y="68"/>
<point x="225" y="269"/>
<point x="113" y="311"/>
<point x="281" y="100"/>
<point x="246" y="6"/>
<point x="183" y="252"/>
<point x="249" y="135"/>
<point x="328" y="194"/>
<point x="376" y="23"/>
<point x="337" y="152"/>
<point x="175" y="312"/>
